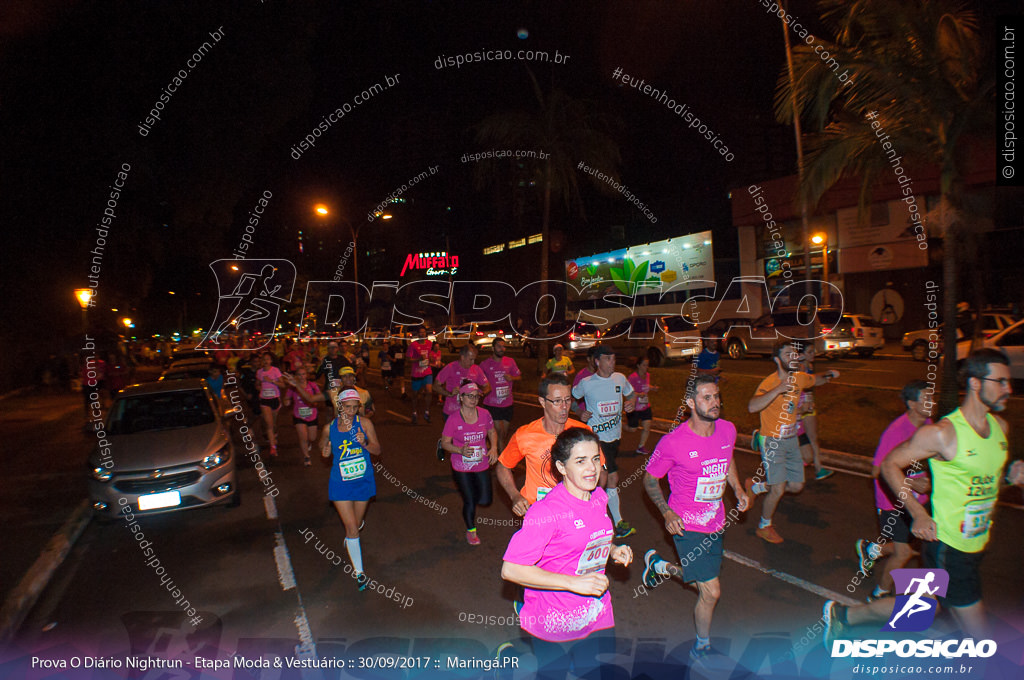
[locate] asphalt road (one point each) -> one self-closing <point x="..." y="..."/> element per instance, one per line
<point x="262" y="589"/>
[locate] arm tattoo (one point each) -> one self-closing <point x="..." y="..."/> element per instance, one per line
<point x="653" y="487"/>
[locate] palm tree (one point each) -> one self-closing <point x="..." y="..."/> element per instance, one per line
<point x="569" y="131"/>
<point x="915" y="68"/>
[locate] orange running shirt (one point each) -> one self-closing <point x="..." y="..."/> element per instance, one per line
<point x="779" y="418"/>
<point x="532" y="442"/>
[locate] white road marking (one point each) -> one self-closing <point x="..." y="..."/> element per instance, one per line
<point x="284" y="563"/>
<point x="822" y="592"/>
<point x="400" y="416"/>
<point x="286" y="576"/>
<point x="306" y="648"/>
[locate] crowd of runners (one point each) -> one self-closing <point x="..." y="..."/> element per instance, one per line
<point x="936" y="483"/>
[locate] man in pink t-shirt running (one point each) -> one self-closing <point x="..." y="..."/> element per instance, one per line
<point x="422" y="376"/>
<point x="894" y="522"/>
<point x="697" y="458"/>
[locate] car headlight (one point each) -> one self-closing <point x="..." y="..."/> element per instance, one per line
<point x="215" y="459"/>
<point x="101" y="474"/>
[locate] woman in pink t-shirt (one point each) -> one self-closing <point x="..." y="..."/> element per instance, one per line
<point x="559" y="557"/>
<point x="641" y="416"/>
<point x="470" y="438"/>
<point x="270" y="382"/>
<point x="304" y="414"/>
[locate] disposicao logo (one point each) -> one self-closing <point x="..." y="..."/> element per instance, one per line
<point x="915" y="609"/>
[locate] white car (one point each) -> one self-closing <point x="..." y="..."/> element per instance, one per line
<point x="1010" y="340"/>
<point x="916" y="342"/>
<point x="169" y="449"/>
<point x="867" y="334"/>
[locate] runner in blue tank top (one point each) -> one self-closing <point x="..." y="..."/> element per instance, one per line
<point x="351" y="439"/>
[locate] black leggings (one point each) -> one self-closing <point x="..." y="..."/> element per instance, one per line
<point x="475" y="488"/>
<point x="554" y="659"/>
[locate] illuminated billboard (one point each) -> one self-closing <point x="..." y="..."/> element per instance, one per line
<point x="643" y="269"/>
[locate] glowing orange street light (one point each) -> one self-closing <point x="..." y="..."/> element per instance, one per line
<point x="822" y="240"/>
<point x="84" y="296"/>
<point x="321" y="209"/>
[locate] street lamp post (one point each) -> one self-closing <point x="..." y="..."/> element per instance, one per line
<point x="84" y="296"/>
<point x="822" y="240"/>
<point x="323" y="211"/>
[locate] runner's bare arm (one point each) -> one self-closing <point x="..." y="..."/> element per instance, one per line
<point x="929" y="441"/>
<point x="448" y="444"/>
<point x="825" y="377"/>
<point x="622" y="554"/>
<point x="1015" y="474"/>
<point x="519" y="504"/>
<point x="529" y="576"/>
<point x="760" y="402"/>
<point x="325" y="441"/>
<point x="492" y="450"/>
<point x="673" y="523"/>
<point x="306" y="396"/>
<point x="371" y="444"/>
<point x="742" y="499"/>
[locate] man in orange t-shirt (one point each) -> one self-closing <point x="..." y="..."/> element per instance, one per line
<point x="533" y="442"/>
<point x="776" y="399"/>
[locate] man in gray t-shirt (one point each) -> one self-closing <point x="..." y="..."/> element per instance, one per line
<point x="606" y="396"/>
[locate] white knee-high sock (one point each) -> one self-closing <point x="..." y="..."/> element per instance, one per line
<point x="613" y="504"/>
<point x="355" y="554"/>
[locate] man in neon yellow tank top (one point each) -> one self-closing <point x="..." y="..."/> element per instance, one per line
<point x="967" y="454"/>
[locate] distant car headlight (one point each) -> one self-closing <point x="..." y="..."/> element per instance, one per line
<point x="101" y="474"/>
<point x="215" y="459"/>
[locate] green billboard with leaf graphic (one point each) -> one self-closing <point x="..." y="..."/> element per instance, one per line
<point x="643" y="269"/>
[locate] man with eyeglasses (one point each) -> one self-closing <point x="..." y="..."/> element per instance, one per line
<point x="606" y="396"/>
<point x="967" y="454"/>
<point x="532" y="443"/>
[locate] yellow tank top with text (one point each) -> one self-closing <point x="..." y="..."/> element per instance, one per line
<point x="964" y="489"/>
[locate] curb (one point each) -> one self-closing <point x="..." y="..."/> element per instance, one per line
<point x="25" y="595"/>
<point x="15" y="392"/>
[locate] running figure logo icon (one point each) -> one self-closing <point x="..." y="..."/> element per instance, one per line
<point x="251" y="293"/>
<point x="915" y="609"/>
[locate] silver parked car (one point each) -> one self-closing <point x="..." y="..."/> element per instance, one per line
<point x="867" y="333"/>
<point x="659" y="338"/>
<point x="167" y="447"/>
<point x="761" y="335"/>
<point x="917" y="342"/>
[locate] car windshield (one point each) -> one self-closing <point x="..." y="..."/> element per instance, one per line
<point x="165" y="411"/>
<point x="185" y="373"/>
<point x="676" y="324"/>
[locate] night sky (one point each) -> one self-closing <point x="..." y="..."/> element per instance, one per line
<point x="78" y="78"/>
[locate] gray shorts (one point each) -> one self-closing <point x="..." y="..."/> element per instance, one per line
<point x="782" y="460"/>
